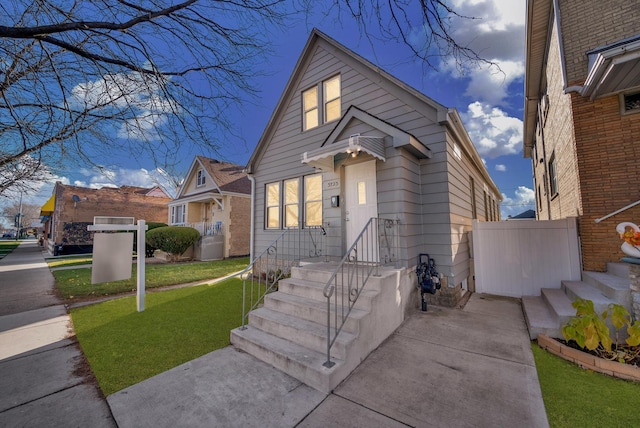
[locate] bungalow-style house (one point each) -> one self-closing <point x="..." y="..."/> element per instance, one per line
<point x="364" y="172"/>
<point x="71" y="209"/>
<point x="215" y="199"/>
<point x="581" y="128"/>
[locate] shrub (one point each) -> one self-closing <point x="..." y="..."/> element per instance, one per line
<point x="174" y="240"/>
<point x="150" y="249"/>
<point x="589" y="330"/>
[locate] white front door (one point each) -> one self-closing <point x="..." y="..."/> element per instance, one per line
<point x="361" y="204"/>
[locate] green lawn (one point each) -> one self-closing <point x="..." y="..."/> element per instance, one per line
<point x="75" y="284"/>
<point x="8" y="246"/>
<point x="574" y="397"/>
<point x="125" y="347"/>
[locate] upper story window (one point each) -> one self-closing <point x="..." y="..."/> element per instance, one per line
<point x="328" y="95"/>
<point x="201" y="178"/>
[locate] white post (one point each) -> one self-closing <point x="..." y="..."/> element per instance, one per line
<point x="140" y="265"/>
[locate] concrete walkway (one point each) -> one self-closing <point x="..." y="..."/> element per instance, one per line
<point x="446" y="367"/>
<point x="43" y="375"/>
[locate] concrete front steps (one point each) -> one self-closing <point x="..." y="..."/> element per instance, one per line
<point x="289" y="331"/>
<point x="547" y="313"/>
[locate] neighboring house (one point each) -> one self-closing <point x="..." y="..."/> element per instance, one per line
<point x="525" y="215"/>
<point x="348" y="142"/>
<point x="582" y="117"/>
<point x="71" y="209"/>
<point x="581" y="128"/>
<point x="215" y="198"/>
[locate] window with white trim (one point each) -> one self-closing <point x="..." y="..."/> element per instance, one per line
<point x="301" y="198"/>
<point x="313" y="200"/>
<point x="178" y="214"/>
<point x="326" y="94"/>
<point x="272" y="208"/>
<point x="292" y="202"/>
<point x="200" y="178"/>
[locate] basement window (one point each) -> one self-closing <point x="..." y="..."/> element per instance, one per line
<point x="630" y="103"/>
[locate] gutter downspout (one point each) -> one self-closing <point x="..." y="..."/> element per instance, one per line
<point x="252" y="213"/>
<point x="566" y="89"/>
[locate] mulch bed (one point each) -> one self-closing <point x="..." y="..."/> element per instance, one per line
<point x="600" y="353"/>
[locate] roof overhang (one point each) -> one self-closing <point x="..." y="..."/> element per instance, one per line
<point x="613" y="68"/>
<point x="204" y="197"/>
<point x="323" y="157"/>
<point x="48" y="207"/>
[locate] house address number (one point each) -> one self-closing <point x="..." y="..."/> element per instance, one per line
<point x="333" y="184"/>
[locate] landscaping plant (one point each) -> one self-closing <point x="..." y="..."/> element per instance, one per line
<point x="173" y="240"/>
<point x="590" y="331"/>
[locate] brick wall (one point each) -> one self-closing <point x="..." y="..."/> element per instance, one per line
<point x="608" y="149"/>
<point x="239" y="226"/>
<point x="101" y="202"/>
<point x="556" y="139"/>
<point x="588" y="24"/>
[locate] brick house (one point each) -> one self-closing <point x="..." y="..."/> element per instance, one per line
<point x="215" y="198"/>
<point x="582" y="117"/>
<point x="71" y="209"/>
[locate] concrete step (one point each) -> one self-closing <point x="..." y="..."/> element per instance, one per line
<point x="618" y="269"/>
<point x="539" y="317"/>
<point x="310" y="310"/>
<point x="612" y="286"/>
<point x="322" y="273"/>
<point x="584" y="290"/>
<point x="305" y="333"/>
<point x="559" y="304"/>
<point x="315" y="291"/>
<point x="302" y="363"/>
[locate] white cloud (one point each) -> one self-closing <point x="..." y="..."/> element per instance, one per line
<point x="501" y="168"/>
<point x="127" y="177"/>
<point x="139" y="101"/>
<point x="496" y="33"/>
<point x="523" y="199"/>
<point x="493" y="132"/>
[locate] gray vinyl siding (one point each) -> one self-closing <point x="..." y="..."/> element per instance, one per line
<point x="430" y="197"/>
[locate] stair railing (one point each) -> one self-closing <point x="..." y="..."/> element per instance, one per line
<point x="275" y="262"/>
<point x="377" y="244"/>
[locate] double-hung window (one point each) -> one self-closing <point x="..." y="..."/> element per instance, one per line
<point x="178" y="214"/>
<point x="201" y="178"/>
<point x="313" y="200"/>
<point x="273" y="206"/>
<point x="296" y="198"/>
<point x="326" y="94"/>
<point x="292" y="202"/>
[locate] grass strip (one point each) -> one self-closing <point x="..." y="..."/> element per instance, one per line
<point x="69" y="261"/>
<point x="125" y="347"/>
<point x="75" y="284"/>
<point x="574" y="397"/>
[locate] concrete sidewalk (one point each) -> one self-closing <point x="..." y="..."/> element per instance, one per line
<point x="447" y="367"/>
<point x="43" y="376"/>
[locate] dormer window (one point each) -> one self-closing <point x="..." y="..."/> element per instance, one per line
<point x="201" y="178"/>
<point x="325" y="94"/>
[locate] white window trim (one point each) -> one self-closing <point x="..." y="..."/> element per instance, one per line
<point x="321" y="102"/>
<point x="201" y="178"/>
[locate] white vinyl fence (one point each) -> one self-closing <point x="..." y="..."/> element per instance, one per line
<point x="519" y="257"/>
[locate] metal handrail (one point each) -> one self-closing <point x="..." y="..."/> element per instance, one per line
<point x="352" y="273"/>
<point x="275" y="262"/>
<point x="611" y="214"/>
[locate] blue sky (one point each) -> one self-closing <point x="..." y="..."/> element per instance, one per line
<point x="490" y="102"/>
